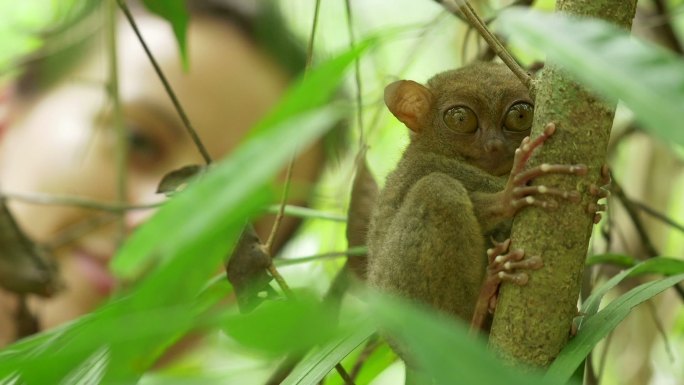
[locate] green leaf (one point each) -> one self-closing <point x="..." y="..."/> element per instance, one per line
<point x="658" y="265"/>
<point x="314" y="367"/>
<point x="443" y="347"/>
<point x="598" y="326"/>
<point x="176" y="13"/>
<point x="268" y="145"/>
<point x="648" y="79"/>
<point x="611" y="259"/>
<point x="181" y="246"/>
<point x="280" y="327"/>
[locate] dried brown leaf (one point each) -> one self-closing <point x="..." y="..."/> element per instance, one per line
<point x="24" y="268"/>
<point x="177" y="180"/>
<point x="364" y="193"/>
<point x="246" y="271"/>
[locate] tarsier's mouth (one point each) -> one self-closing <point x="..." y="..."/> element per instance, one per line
<point x="494" y="165"/>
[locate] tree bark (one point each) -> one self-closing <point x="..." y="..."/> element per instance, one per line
<point x="532" y="323"/>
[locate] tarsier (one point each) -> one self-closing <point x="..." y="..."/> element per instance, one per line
<point x="439" y="233"/>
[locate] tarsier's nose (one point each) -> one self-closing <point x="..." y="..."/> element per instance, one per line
<point x="493" y="145"/>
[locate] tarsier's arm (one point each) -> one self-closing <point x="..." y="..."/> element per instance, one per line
<point x="505" y="265"/>
<point x="492" y="208"/>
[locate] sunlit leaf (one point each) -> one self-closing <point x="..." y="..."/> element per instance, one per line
<point x="648" y="79"/>
<point x="261" y="154"/>
<point x="181" y="246"/>
<point x="599" y="325"/>
<point x="280" y="327"/>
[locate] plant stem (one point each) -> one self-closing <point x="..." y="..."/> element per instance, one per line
<point x="463" y="7"/>
<point x="65" y="200"/>
<point x="121" y="137"/>
<point x="181" y="112"/>
<point x="357" y="74"/>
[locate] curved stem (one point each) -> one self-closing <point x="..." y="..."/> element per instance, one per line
<point x="463" y="7"/>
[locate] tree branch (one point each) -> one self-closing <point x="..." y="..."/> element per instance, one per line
<point x="532" y="323"/>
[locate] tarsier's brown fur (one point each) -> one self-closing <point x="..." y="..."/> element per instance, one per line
<point x="435" y="216"/>
<point x="459" y="183"/>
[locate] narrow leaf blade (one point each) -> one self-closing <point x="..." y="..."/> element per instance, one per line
<point x="648" y="79"/>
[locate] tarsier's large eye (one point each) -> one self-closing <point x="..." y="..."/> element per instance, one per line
<point x="519" y="117"/>
<point x="461" y="119"/>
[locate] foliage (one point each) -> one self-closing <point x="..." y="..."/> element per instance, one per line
<point x="173" y="293"/>
<point x="647" y="79"/>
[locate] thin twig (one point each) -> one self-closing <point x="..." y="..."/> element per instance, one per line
<point x="661" y="329"/>
<point x="310" y="47"/>
<point x="291" y="361"/>
<point x="186" y="122"/>
<point x="281" y="281"/>
<point x="288" y="178"/>
<point x="630" y="208"/>
<point x="67" y="200"/>
<point x="78" y="229"/>
<point x="305" y="212"/>
<point x="343" y="373"/>
<point x="463" y="7"/>
<point x="634" y="216"/>
<point x="121" y="137"/>
<point x="281" y="212"/>
<point x="658" y="215"/>
<point x="488" y="54"/>
<point x="666" y="28"/>
<point x="413" y="54"/>
<point x="357" y="74"/>
<point x="351" y="252"/>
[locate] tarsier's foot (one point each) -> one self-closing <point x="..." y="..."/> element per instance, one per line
<point x="503" y="266"/>
<point x="598" y="192"/>
<point x="521" y="194"/>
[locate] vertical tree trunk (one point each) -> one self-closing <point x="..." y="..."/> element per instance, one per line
<point x="532" y="323"/>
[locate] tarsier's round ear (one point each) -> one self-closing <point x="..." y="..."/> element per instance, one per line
<point x="409" y="102"/>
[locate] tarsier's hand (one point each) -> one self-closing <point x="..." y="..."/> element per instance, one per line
<point x="503" y="265"/>
<point x="518" y="193"/>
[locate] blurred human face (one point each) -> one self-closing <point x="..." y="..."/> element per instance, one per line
<point x="64" y="142"/>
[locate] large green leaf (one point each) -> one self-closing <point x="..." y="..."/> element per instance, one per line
<point x="281" y="327"/>
<point x="443" y="347"/>
<point x="598" y="326"/>
<point x="262" y="153"/>
<point x="176" y="13"/>
<point x="648" y="79"/>
<point x="186" y="240"/>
